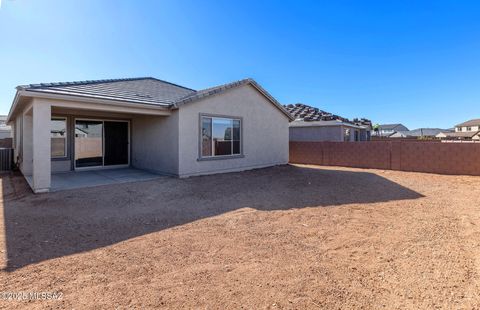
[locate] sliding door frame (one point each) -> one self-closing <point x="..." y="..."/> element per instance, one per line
<point x="103" y="120"/>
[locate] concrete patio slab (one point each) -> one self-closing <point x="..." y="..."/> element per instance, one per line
<point x="90" y="178"/>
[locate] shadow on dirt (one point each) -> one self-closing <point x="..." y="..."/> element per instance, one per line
<point x="47" y="226"/>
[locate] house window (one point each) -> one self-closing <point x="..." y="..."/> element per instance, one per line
<point x="469" y="128"/>
<point x="220" y="136"/>
<point x="58" y="137"/>
<point x="346" y="135"/>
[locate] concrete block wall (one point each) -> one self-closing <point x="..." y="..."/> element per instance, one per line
<point x="431" y="157"/>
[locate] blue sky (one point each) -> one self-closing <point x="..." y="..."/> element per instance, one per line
<point x="414" y="62"/>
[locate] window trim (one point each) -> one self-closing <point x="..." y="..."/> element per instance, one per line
<point x="218" y="157"/>
<point x="57" y="118"/>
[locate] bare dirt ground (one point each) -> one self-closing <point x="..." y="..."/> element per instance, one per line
<point x="286" y="237"/>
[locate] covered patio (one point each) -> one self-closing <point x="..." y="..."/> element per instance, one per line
<point x="91" y="134"/>
<point x="92" y="178"/>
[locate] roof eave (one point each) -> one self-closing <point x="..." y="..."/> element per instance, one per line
<point x="99" y="99"/>
<point x="80" y="95"/>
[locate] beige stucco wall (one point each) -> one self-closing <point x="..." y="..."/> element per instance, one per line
<point x="155" y="143"/>
<point x="464" y="129"/>
<point x="160" y="143"/>
<point x="264" y="132"/>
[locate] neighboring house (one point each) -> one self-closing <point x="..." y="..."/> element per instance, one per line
<point x="472" y="135"/>
<point x="429" y="133"/>
<point x="5" y="130"/>
<point x="469" y="130"/>
<point x="386" y="130"/>
<point x="148" y="124"/>
<point x="313" y="124"/>
<point x="468" y="126"/>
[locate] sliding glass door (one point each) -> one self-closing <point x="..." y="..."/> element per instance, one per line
<point x="88" y="143"/>
<point x="101" y="143"/>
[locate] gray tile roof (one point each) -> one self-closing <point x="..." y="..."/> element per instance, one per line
<point x="300" y="123"/>
<point x="397" y="127"/>
<point x="426" y="132"/>
<point x="145" y="90"/>
<point x="420" y="132"/>
<point x="140" y="90"/>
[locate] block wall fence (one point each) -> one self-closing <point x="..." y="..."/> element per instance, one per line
<point x="431" y="157"/>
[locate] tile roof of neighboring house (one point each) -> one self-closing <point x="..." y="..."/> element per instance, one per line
<point x="462" y="134"/>
<point x="472" y="122"/>
<point x="144" y="90"/>
<point x="421" y="132"/>
<point x="300" y="123"/>
<point x="308" y="113"/>
<point x="391" y="126"/>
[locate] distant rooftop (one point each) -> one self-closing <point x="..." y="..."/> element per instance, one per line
<point x="472" y="122"/>
<point x="306" y="113"/>
<point x="300" y="123"/>
<point x="461" y="134"/>
<point x="399" y="127"/>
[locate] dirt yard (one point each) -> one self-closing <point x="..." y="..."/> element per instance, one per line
<point x="278" y="238"/>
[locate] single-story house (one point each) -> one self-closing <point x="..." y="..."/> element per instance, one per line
<point x="313" y="124"/>
<point x="386" y="130"/>
<point x="335" y="130"/>
<point x="429" y="133"/>
<point x="145" y="123"/>
<point x="5" y="130"/>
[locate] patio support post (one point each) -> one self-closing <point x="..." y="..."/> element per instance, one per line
<point x="27" y="157"/>
<point x="41" y="146"/>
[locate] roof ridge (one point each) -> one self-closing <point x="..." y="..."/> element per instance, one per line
<point x="174" y="84"/>
<point x="220" y="88"/>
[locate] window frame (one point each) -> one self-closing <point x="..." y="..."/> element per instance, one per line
<point x="58" y="118"/>
<point x="200" y="138"/>
<point x="345" y="135"/>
